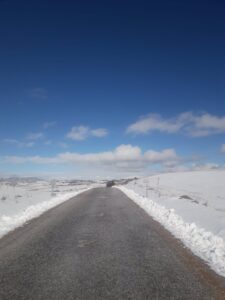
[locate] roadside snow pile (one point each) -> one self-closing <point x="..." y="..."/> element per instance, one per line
<point x="190" y="205"/>
<point x="21" y="201"/>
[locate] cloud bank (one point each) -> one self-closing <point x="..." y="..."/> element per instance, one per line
<point x="123" y="157"/>
<point x="188" y="123"/>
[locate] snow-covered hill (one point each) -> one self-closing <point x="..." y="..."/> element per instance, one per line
<point x="189" y="204"/>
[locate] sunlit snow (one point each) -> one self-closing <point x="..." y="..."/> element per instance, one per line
<point x="26" y="198"/>
<point x="191" y="205"/>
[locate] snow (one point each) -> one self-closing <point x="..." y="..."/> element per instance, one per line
<point x="22" y="200"/>
<point x="191" y="205"/>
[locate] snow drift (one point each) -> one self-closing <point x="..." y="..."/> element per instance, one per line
<point x="191" y="206"/>
<point x="21" y="201"/>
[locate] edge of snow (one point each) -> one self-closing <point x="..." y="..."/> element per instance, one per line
<point x="9" y="223"/>
<point x="202" y="243"/>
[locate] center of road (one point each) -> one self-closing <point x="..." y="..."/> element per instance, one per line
<point x="98" y="245"/>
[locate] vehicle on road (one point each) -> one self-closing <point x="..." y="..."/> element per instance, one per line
<point x="110" y="183"/>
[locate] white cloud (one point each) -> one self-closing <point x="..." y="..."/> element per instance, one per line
<point x="47" y="125"/>
<point x="167" y="155"/>
<point x="207" y="124"/>
<point x="35" y="136"/>
<point x="30" y="159"/>
<point x="123" y="153"/>
<point x="205" y="167"/>
<point x="223" y="148"/>
<point x="127" y="153"/>
<point x="100" y="132"/>
<point x="153" y="122"/>
<point x="18" y="143"/>
<point x="186" y="167"/>
<point x="122" y="157"/>
<point x="194" y="125"/>
<point x="80" y="133"/>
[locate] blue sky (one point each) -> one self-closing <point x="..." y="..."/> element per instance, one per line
<point x="111" y="88"/>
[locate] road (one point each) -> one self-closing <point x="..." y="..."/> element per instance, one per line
<point x="98" y="245"/>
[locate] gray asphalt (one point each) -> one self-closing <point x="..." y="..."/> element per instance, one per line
<point x="98" y="245"/>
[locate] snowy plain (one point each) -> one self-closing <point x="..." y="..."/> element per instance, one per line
<point x="191" y="205"/>
<point x="22" y="199"/>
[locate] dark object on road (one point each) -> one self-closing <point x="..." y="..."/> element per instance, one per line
<point x="110" y="183"/>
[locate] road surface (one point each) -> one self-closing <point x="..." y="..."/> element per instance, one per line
<point x="98" y="245"/>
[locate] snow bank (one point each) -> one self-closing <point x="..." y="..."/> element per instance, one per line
<point x="24" y="201"/>
<point x="8" y="223"/>
<point x="180" y="203"/>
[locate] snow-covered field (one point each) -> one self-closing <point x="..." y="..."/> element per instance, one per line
<point x="191" y="205"/>
<point x="22" y="199"/>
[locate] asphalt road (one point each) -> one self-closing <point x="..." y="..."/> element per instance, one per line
<point x="98" y="245"/>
